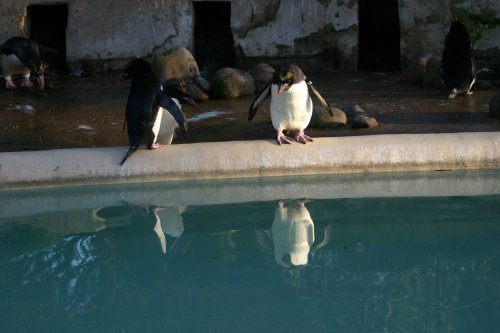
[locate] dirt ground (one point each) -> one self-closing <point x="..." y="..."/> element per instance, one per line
<point x="89" y="112"/>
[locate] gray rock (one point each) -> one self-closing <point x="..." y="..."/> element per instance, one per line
<point x="232" y="83"/>
<point x="202" y="83"/>
<point x="415" y="72"/>
<point x="196" y="93"/>
<point x="495" y="106"/>
<point x="176" y="64"/>
<point x="322" y="119"/>
<point x="358" y="118"/>
<point x="262" y="74"/>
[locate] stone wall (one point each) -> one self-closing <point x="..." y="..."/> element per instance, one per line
<point x="320" y="32"/>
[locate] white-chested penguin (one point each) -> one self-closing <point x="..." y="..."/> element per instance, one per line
<point x="21" y="56"/>
<point x="143" y="104"/>
<point x="291" y="104"/>
<point x="457" y="62"/>
<point x="165" y="125"/>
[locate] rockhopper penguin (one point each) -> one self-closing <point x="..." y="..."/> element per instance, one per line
<point x="143" y="104"/>
<point x="165" y="124"/>
<point x="457" y="63"/>
<point x="291" y="104"/>
<point x="21" y="56"/>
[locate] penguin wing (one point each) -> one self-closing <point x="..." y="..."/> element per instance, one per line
<point x="320" y="97"/>
<point x="259" y="99"/>
<point x="168" y="104"/>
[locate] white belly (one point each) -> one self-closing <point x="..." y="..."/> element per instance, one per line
<point x="11" y="65"/>
<point x="292" y="110"/>
<point x="164" y="126"/>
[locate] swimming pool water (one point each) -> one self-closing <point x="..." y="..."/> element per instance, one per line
<point x="345" y="264"/>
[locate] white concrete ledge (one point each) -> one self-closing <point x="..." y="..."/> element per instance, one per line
<point x="241" y="159"/>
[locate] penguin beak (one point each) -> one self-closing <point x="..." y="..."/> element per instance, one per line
<point x="41" y="82"/>
<point x="282" y="87"/>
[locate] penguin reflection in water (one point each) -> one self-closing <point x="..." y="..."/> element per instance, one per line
<point x="291" y="104"/>
<point x="457" y="63"/>
<point x="292" y="234"/>
<point x="21" y="56"/>
<point x="145" y="105"/>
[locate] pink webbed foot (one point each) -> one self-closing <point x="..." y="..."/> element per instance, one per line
<point x="301" y="137"/>
<point x="9" y="84"/>
<point x="282" y="138"/>
<point x="26" y="83"/>
<point x="156" y="146"/>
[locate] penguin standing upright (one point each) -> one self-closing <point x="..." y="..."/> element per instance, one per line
<point x="21" y="56"/>
<point x="143" y="104"/>
<point x="291" y="104"/>
<point x="457" y="63"/>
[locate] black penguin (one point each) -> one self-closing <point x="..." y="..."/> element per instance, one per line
<point x="291" y="104"/>
<point x="21" y="56"/>
<point x="144" y="101"/>
<point x="457" y="63"/>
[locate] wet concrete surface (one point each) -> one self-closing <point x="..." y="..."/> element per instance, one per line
<point x="89" y="112"/>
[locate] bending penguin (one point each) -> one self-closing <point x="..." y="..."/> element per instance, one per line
<point x="21" y="56"/>
<point x="143" y="104"/>
<point x="291" y="104"/>
<point x="457" y="63"/>
<point x="165" y="124"/>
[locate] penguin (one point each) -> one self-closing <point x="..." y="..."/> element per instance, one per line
<point x="165" y="125"/>
<point x="143" y="104"/>
<point x="292" y="233"/>
<point x="21" y="56"/>
<point x="291" y="104"/>
<point x="457" y="63"/>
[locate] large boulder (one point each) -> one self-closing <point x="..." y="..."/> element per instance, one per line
<point x="495" y="106"/>
<point x="414" y="73"/>
<point x="176" y="64"/>
<point x="358" y="118"/>
<point x="322" y="119"/>
<point x="231" y="83"/>
<point x="262" y="74"/>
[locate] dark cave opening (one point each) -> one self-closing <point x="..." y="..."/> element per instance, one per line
<point x="47" y="27"/>
<point x="213" y="38"/>
<point x="379" y="35"/>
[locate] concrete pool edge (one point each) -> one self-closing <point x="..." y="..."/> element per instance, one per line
<point x="243" y="159"/>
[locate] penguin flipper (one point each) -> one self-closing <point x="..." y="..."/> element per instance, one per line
<point x="320" y="97"/>
<point x="259" y="99"/>
<point x="129" y="153"/>
<point x="168" y="104"/>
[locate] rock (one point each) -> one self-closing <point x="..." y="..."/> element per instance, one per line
<point x="262" y="74"/>
<point x="202" y="83"/>
<point x="483" y="84"/>
<point x="432" y="77"/>
<point x="322" y="119"/>
<point x="176" y="64"/>
<point x="196" y="93"/>
<point x="358" y="118"/>
<point x="414" y="73"/>
<point x="495" y="106"/>
<point x="231" y="83"/>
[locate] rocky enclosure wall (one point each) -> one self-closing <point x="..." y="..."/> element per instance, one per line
<point x="325" y="30"/>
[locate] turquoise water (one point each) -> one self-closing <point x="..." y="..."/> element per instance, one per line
<point x="105" y="263"/>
